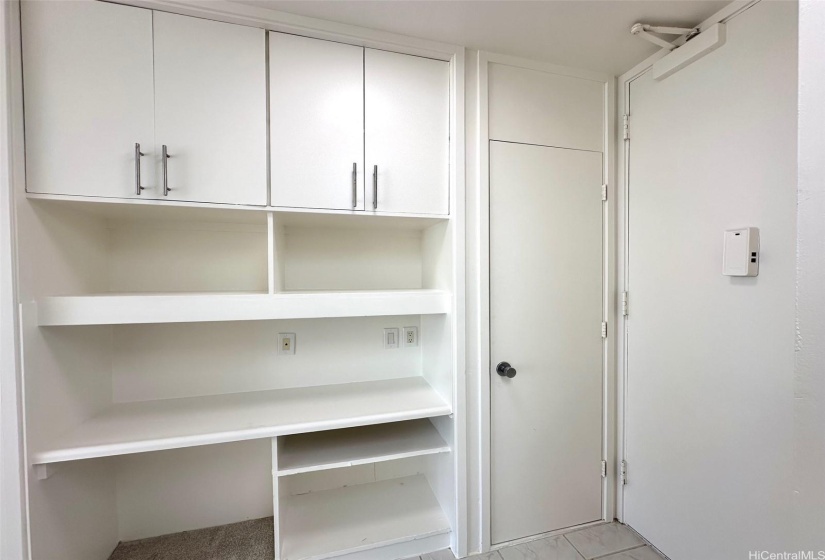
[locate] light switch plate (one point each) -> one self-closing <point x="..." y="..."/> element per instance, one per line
<point x="391" y="338"/>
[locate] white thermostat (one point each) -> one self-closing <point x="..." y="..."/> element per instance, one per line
<point x="741" y="253"/>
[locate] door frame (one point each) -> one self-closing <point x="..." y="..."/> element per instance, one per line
<point x="482" y="302"/>
<point x="622" y="245"/>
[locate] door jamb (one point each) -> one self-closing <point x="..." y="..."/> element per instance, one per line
<point x="483" y="258"/>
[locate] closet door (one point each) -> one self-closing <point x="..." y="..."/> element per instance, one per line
<point x="87" y="73"/>
<point x="316" y="106"/>
<point x="406" y="133"/>
<point x="210" y="98"/>
<point x="545" y="317"/>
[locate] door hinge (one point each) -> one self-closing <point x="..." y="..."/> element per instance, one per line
<point x="604" y="469"/>
<point x="626" y="127"/>
<point x="624" y="472"/>
<point x="624" y="304"/>
<point x="604" y="329"/>
<point x="604" y="192"/>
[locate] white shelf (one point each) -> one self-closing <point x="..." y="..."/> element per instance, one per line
<point x="174" y="423"/>
<point x="120" y="309"/>
<point x="358" y="446"/>
<point x="338" y="522"/>
<point x="153" y="209"/>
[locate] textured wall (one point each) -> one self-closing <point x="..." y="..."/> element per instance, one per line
<point x="809" y="409"/>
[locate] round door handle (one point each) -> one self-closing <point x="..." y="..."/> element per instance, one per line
<point x="506" y="370"/>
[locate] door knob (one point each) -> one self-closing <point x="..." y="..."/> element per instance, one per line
<point x="506" y="370"/>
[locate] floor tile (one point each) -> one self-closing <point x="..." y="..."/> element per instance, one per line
<point x="494" y="555"/>
<point x="603" y="540"/>
<point x="445" y="554"/>
<point x="642" y="553"/>
<point x="552" y="548"/>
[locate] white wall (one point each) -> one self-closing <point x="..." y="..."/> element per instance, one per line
<point x="709" y="393"/>
<point x="809" y="411"/>
<point x="12" y="527"/>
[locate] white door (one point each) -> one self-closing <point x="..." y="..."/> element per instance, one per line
<point x="210" y="110"/>
<point x="709" y="366"/>
<point x="316" y="108"/>
<point x="406" y="133"/>
<point x="545" y="321"/>
<point x="87" y="73"/>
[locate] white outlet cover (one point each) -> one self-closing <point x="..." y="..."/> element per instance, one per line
<point x="391" y="338"/>
<point x="285" y="339"/>
<point x="410" y="337"/>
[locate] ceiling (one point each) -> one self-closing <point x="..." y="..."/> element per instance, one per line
<point x="588" y="34"/>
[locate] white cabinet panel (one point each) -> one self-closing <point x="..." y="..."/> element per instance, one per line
<point x="407" y="132"/>
<point x="210" y="98"/>
<point x="88" y="97"/>
<point x="316" y="123"/>
<point x="535" y="107"/>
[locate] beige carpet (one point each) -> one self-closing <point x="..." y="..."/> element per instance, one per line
<point x="247" y="540"/>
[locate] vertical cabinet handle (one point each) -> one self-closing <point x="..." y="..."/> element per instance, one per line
<point x="138" y="153"/>
<point x="163" y="157"/>
<point x="354" y="184"/>
<point x="375" y="187"/>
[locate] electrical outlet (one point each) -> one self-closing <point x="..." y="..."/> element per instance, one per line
<point x="286" y="343"/>
<point x="391" y="339"/>
<point x="410" y="337"/>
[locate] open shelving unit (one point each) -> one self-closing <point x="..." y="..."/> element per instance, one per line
<point x="164" y="357"/>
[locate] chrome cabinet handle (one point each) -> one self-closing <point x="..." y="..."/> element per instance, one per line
<point x="354" y="184"/>
<point x="375" y="187"/>
<point x="138" y="153"/>
<point x="163" y="157"/>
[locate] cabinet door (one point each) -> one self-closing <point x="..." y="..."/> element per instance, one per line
<point x="406" y="133"/>
<point x="316" y="96"/>
<point x="87" y="73"/>
<point x="210" y="109"/>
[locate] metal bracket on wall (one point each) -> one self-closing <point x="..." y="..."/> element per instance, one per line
<point x="624" y="472"/>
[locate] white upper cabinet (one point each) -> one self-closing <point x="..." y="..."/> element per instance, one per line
<point x="406" y="133"/>
<point x="316" y="107"/>
<point x="210" y="110"/>
<point x="88" y="98"/>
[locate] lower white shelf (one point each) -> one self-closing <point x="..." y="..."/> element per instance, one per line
<point x="358" y="446"/>
<point x="358" y="518"/>
<point x="174" y="423"/>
